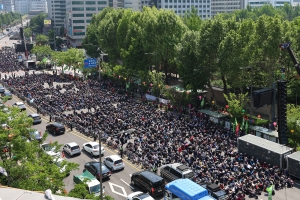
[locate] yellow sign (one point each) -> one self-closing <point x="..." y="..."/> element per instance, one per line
<point x="47" y="21"/>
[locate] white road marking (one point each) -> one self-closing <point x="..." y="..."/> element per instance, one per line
<point x="127" y="184"/>
<point x="112" y="185"/>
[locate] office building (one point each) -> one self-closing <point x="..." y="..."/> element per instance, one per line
<point x="259" y="3"/>
<point x="22" y="6"/>
<point x="226" y="6"/>
<point x="79" y="14"/>
<point x="38" y="5"/>
<point x="133" y="4"/>
<point x="57" y="13"/>
<point x="8" y="5"/>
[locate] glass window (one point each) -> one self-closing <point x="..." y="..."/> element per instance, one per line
<point x="88" y="21"/>
<point x="90" y="8"/>
<point x="101" y="8"/>
<point x="77" y="2"/>
<point x="78" y="15"/>
<point x="78" y="27"/>
<point x="77" y="9"/>
<point x="90" y="2"/>
<point x="101" y="2"/>
<point x="79" y="33"/>
<point x="89" y="14"/>
<point x="78" y="21"/>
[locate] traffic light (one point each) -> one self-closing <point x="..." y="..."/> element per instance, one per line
<point x="281" y="111"/>
<point x="105" y="58"/>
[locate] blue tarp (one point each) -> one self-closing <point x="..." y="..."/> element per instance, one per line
<point x="186" y="189"/>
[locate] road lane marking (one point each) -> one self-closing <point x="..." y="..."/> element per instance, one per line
<point x="127" y="184"/>
<point x="76" y="133"/>
<point x="112" y="185"/>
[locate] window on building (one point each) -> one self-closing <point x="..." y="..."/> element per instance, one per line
<point x="77" y="2"/>
<point x="88" y="21"/>
<point x="101" y="2"/>
<point x="78" y="21"/>
<point x="77" y="9"/>
<point x="90" y="8"/>
<point x="79" y="33"/>
<point x="90" y="2"/>
<point x="89" y="14"/>
<point x="166" y="6"/>
<point x="78" y="15"/>
<point x="100" y="8"/>
<point x="78" y="27"/>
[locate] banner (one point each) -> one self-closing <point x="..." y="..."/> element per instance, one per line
<point x="164" y="101"/>
<point x="47" y="22"/>
<point x="150" y="97"/>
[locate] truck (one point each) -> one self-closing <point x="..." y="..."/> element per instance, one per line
<point x="185" y="189"/>
<point x="93" y="185"/>
<point x="29" y="64"/>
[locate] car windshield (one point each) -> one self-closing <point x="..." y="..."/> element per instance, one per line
<point x="118" y="161"/>
<point x="95" y="189"/>
<point x="47" y="147"/>
<point x="96" y="147"/>
<point x="75" y="147"/>
<point x="189" y="175"/>
<point x="158" y="183"/>
<point x="37" y="117"/>
<point x="143" y="196"/>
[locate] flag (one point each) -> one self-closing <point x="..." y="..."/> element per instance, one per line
<point x="127" y="85"/>
<point x="3" y="171"/>
<point x="202" y="102"/>
<point x="246" y="127"/>
<point x="237" y="127"/>
<point x="243" y="124"/>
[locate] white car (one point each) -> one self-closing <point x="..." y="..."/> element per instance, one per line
<point x="139" y="196"/>
<point x="20" y="105"/>
<point x="50" y="150"/>
<point x="58" y="162"/>
<point x="93" y="148"/>
<point x="72" y="148"/>
<point x="114" y="162"/>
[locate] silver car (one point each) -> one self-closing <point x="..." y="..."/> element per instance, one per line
<point x="72" y="148"/>
<point x="36" y="118"/>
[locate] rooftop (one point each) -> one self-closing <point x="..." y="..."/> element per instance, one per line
<point x="295" y="156"/>
<point x="7" y="193"/>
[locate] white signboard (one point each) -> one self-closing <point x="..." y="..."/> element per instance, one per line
<point x="227" y="125"/>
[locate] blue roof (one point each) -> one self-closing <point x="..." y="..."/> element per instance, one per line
<point x="186" y="189"/>
<point x="207" y="198"/>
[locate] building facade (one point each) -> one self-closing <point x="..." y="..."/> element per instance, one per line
<point x="8" y="5"/>
<point x="39" y="5"/>
<point x="78" y="17"/>
<point x="133" y="4"/>
<point x="22" y="6"/>
<point x="259" y="3"/>
<point x="57" y="13"/>
<point x="226" y="6"/>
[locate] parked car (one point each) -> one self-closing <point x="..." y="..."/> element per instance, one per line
<point x="114" y="162"/>
<point x="139" y="196"/>
<point x="35" y="135"/>
<point x="171" y="172"/>
<point x="148" y="181"/>
<point x="50" y="149"/>
<point x="36" y="118"/>
<point x="94" y="168"/>
<point x="72" y="148"/>
<point x="20" y="105"/>
<point x="58" y="161"/>
<point x="7" y="94"/>
<point x="55" y="128"/>
<point x="93" y="148"/>
<point x="2" y="89"/>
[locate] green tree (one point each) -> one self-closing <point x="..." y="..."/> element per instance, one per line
<point x="236" y="104"/>
<point x="37" y="23"/>
<point x="26" y="164"/>
<point x="41" y="52"/>
<point x="41" y="39"/>
<point x="192" y="20"/>
<point x="74" y="58"/>
<point x="27" y="32"/>
<point x="293" y="122"/>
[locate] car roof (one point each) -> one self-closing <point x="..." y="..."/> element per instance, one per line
<point x="34" y="115"/>
<point x="57" y="124"/>
<point x="115" y="157"/>
<point x="151" y="176"/>
<point x="72" y="144"/>
<point x="92" y="143"/>
<point x="18" y="103"/>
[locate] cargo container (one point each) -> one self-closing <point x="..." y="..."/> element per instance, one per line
<point x="293" y="162"/>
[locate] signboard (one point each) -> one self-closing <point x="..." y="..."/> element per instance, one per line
<point x="20" y="58"/>
<point x="90" y="63"/>
<point x="47" y="22"/>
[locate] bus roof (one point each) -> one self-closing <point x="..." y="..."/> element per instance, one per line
<point x="186" y="189"/>
<point x="207" y="198"/>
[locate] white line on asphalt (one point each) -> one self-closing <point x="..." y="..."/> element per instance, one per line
<point x="127" y="184"/>
<point x="112" y="185"/>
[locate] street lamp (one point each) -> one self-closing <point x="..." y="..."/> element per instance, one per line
<point x="249" y="67"/>
<point x="100" y="165"/>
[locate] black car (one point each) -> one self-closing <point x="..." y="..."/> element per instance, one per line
<point x="56" y="128"/>
<point x="149" y="182"/>
<point x="94" y="168"/>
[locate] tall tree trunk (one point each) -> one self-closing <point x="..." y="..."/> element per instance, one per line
<point x="166" y="72"/>
<point x="224" y="84"/>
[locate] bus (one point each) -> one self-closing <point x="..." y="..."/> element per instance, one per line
<point x="185" y="189"/>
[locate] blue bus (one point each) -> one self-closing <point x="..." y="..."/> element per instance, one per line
<point x="185" y="189"/>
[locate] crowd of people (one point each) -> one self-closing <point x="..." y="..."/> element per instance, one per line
<point x="158" y="137"/>
<point x="8" y="61"/>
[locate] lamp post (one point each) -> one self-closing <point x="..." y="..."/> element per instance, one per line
<point x="249" y="67"/>
<point x="100" y="164"/>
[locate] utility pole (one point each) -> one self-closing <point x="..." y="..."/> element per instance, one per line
<point x="100" y="164"/>
<point x="24" y="41"/>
